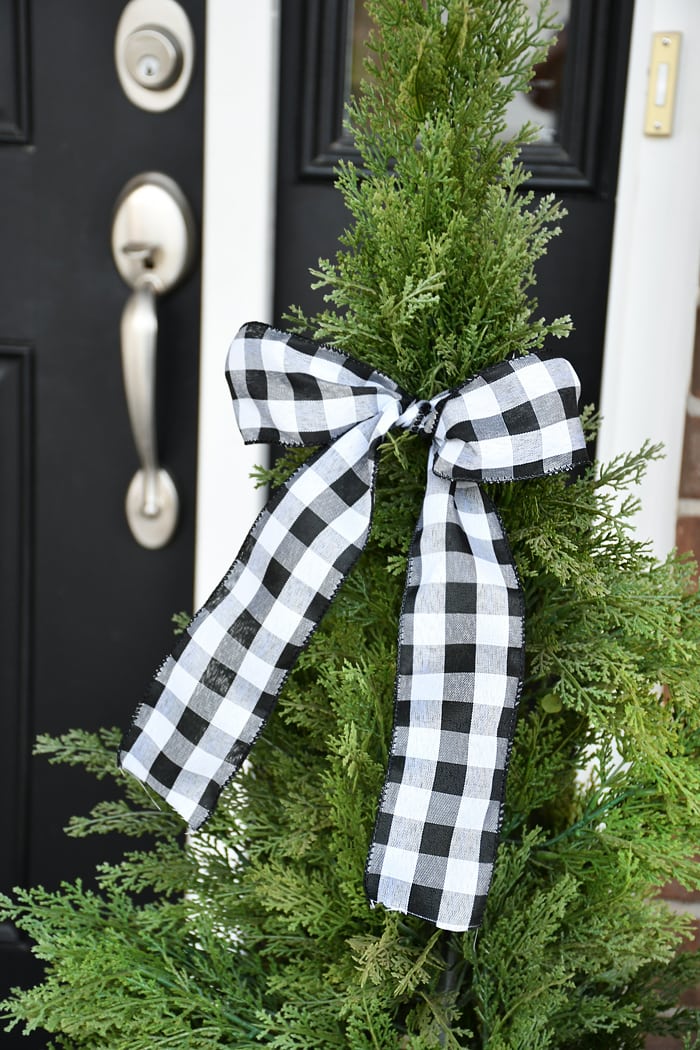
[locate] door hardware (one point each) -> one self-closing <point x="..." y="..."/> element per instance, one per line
<point x="153" y="237"/>
<point x="154" y="53"/>
<point x="153" y="58"/>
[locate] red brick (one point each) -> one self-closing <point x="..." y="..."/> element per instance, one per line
<point x="690" y="466"/>
<point x="673" y="891"/>
<point x="691" y="997"/>
<point x="693" y="945"/>
<point x="695" y="380"/>
<point x="688" y="536"/>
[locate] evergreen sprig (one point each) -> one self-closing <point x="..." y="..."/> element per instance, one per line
<point x="255" y="931"/>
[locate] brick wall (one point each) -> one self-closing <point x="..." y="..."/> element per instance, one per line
<point x="680" y="900"/>
<point x="688" y="539"/>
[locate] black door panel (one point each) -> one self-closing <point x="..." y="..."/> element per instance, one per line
<point x="86" y="611"/>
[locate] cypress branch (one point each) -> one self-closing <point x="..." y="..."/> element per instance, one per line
<point x="259" y="933"/>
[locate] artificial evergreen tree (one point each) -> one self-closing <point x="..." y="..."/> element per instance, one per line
<point x="256" y="930"/>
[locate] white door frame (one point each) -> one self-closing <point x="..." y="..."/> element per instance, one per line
<point x="240" y="133"/>
<point x="654" y="273"/>
<point x="653" y="283"/>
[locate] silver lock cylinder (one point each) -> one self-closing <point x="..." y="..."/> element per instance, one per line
<point x="154" y="53"/>
<point x="153" y="58"/>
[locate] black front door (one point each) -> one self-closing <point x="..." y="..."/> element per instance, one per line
<point x="579" y="99"/>
<point x="84" y="607"/>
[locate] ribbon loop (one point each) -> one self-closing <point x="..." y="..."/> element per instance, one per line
<point x="517" y="419"/>
<point x="291" y="391"/>
<point x="460" y="653"/>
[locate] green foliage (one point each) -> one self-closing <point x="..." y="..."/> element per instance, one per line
<point x="255" y="931"/>
<point x="433" y="280"/>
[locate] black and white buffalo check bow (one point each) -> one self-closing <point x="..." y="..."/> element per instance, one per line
<point x="460" y="653"/>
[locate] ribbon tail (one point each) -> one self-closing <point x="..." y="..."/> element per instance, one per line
<point x="213" y="695"/>
<point x="460" y="668"/>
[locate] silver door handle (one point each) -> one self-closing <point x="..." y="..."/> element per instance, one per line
<point x="152" y="502"/>
<point x="152" y="244"/>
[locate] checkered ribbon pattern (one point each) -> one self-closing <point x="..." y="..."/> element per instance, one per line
<point x="460" y="649"/>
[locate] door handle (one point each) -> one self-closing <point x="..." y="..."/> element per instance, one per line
<point x="152" y="502"/>
<point x="153" y="246"/>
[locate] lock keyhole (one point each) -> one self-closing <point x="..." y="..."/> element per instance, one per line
<point x="148" y="67"/>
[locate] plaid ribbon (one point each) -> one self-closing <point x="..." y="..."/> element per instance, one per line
<point x="460" y="652"/>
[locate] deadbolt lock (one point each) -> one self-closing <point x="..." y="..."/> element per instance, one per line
<point x="153" y="57"/>
<point x="154" y="53"/>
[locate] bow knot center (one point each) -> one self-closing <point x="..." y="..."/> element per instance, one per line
<point x="419" y="418"/>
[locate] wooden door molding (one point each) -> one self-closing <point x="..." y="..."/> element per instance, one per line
<point x="16" y="528"/>
<point x="323" y="139"/>
<point x="598" y="31"/>
<point x="594" y="84"/>
<point x="14" y="72"/>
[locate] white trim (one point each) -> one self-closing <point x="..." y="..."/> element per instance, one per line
<point x="654" y="273"/>
<point x="237" y="264"/>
